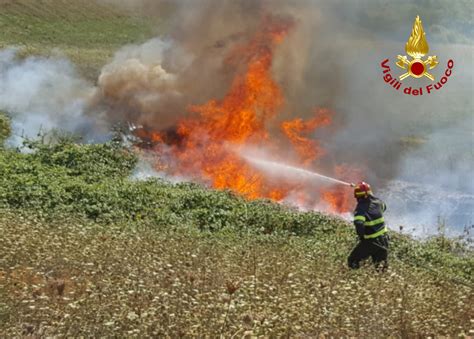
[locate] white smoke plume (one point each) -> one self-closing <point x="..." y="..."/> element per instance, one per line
<point x="140" y="86"/>
<point x="42" y="94"/>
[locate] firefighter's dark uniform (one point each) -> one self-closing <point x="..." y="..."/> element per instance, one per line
<point x="372" y="232"/>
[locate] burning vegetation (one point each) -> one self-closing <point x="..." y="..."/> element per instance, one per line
<point x="206" y="144"/>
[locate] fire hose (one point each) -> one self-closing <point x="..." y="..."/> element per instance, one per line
<point x="284" y="167"/>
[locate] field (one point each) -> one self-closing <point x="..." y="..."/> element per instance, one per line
<point x="77" y="279"/>
<point x="88" y="251"/>
<point x="86" y="32"/>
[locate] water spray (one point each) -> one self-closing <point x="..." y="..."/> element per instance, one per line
<point x="276" y="165"/>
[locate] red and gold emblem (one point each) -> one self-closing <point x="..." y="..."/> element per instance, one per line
<point x="417" y="47"/>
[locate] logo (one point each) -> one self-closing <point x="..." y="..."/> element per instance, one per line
<point x="416" y="47"/>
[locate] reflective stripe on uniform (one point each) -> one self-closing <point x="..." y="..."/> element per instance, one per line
<point x="374" y="222"/>
<point x="359" y="217"/>
<point x="376" y="234"/>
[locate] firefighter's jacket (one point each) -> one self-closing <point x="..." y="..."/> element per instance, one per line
<point x="368" y="218"/>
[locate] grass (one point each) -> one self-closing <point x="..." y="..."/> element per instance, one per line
<point x="87" y="251"/>
<point x="86" y="32"/>
<point x="76" y="278"/>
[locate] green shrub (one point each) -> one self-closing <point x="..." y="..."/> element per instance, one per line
<point x="63" y="180"/>
<point x="62" y="177"/>
<point x="91" y="162"/>
<point x="5" y="128"/>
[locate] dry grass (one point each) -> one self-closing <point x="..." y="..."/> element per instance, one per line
<point x="75" y="279"/>
<point x="71" y="278"/>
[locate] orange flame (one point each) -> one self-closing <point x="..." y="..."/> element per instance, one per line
<point x="238" y="119"/>
<point x="209" y="139"/>
<point x="340" y="198"/>
<point x="308" y="150"/>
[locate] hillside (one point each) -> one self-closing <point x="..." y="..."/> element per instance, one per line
<point x="86" y="32"/>
<point x="87" y="250"/>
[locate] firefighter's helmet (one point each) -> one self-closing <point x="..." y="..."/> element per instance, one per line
<point x="362" y="190"/>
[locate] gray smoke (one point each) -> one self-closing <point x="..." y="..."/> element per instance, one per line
<point x="415" y="146"/>
<point x="331" y="58"/>
<point x="135" y="86"/>
<point x="418" y="150"/>
<point x="42" y="94"/>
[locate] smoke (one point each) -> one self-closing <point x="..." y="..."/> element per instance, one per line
<point x="331" y="58"/>
<point x="418" y="150"/>
<point x="135" y="86"/>
<point x="435" y="185"/>
<point x="42" y="94"/>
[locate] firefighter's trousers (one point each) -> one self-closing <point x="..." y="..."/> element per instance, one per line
<point x="376" y="248"/>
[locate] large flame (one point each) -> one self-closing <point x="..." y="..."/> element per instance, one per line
<point x="238" y="119"/>
<point x="208" y="143"/>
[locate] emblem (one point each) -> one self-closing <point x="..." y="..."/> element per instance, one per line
<point x="417" y="47"/>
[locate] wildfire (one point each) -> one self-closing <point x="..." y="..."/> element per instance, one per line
<point x="340" y="198"/>
<point x="308" y="149"/>
<point x="237" y="120"/>
<point x="210" y="139"/>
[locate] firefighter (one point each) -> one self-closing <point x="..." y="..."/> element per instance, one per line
<point x="371" y="229"/>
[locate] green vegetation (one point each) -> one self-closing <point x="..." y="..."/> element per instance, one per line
<point x="102" y="253"/>
<point x="92" y="182"/>
<point x="85" y="250"/>
<point x="86" y="32"/>
<point x="5" y="128"/>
